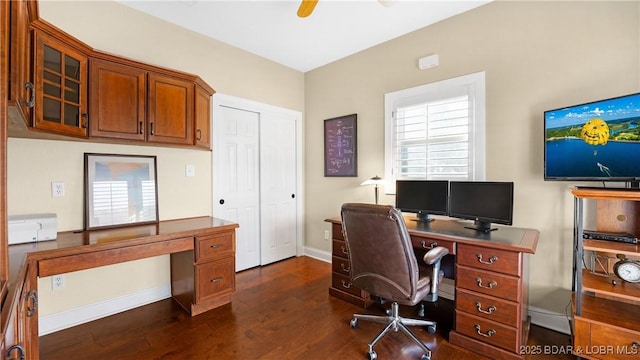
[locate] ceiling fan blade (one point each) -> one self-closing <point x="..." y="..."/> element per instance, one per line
<point x="306" y="7"/>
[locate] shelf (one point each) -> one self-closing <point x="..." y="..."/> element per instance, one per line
<point x="612" y="247"/>
<point x="610" y="312"/>
<point x="607" y="193"/>
<point x="602" y="285"/>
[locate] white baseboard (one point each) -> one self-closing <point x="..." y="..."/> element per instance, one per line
<point x="69" y="318"/>
<point x="317" y="254"/>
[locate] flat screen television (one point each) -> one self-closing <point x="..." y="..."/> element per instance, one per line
<point x="595" y="141"/>
<point x="422" y="197"/>
<point x="485" y="202"/>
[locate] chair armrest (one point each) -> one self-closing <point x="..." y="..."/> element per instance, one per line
<point x="432" y="258"/>
<point x="435" y="255"/>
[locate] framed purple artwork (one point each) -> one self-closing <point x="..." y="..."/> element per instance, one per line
<point x="340" y="146"/>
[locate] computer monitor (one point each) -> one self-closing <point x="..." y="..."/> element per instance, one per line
<point x="484" y="202"/>
<point x="422" y="197"/>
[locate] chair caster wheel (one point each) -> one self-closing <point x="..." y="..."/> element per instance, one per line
<point x="372" y="355"/>
<point x="425" y="357"/>
<point x="389" y="312"/>
<point x="353" y="323"/>
<point x="431" y="329"/>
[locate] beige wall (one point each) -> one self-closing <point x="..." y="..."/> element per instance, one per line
<point x="537" y="56"/>
<point x="33" y="164"/>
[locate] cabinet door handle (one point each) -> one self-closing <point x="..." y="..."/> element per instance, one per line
<point x="32" y="89"/>
<point x="489" y="333"/>
<point x="141" y="128"/>
<point x="491" y="259"/>
<point x="151" y="132"/>
<point x="85" y="120"/>
<point x="430" y="246"/>
<point x="33" y="296"/>
<point x="15" y="347"/>
<point x="489" y="310"/>
<point x="199" y="135"/>
<point x="215" y="280"/>
<point x="490" y="286"/>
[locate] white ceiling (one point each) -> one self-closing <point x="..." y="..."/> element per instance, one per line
<point x="335" y="29"/>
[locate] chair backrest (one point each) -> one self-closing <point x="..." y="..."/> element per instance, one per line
<point x="381" y="256"/>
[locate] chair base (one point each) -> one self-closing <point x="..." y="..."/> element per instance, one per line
<point x="395" y="322"/>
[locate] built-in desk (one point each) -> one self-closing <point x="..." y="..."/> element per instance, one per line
<point x="491" y="274"/>
<point x="202" y="254"/>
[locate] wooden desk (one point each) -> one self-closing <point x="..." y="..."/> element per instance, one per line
<point x="491" y="273"/>
<point x="202" y="254"/>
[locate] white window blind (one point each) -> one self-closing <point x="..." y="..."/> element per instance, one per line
<point x="435" y="131"/>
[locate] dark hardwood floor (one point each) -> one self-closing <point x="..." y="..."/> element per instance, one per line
<point x="279" y="311"/>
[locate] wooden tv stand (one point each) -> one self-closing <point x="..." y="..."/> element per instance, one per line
<point x="491" y="272"/>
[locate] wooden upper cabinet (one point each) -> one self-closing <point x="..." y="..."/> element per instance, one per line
<point x="117" y="101"/>
<point x="203" y="118"/>
<point x="21" y="87"/>
<point x="170" y="117"/>
<point x="61" y="87"/>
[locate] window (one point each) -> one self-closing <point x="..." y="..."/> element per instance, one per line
<point x="436" y="131"/>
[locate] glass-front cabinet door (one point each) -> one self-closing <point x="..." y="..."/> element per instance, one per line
<point x="61" y="87"/>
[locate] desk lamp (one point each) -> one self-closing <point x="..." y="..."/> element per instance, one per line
<point x="376" y="180"/>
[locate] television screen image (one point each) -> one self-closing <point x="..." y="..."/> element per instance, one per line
<point x="423" y="197"/>
<point x="596" y="141"/>
<point x="485" y="202"/>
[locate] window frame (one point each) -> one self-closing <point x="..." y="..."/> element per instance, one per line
<point x="475" y="86"/>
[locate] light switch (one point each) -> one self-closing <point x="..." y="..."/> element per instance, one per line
<point x="190" y="170"/>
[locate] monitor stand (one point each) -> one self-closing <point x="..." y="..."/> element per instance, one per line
<point x="483" y="226"/>
<point x="423" y="218"/>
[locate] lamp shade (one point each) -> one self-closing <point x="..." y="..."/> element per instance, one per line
<point x="376" y="180"/>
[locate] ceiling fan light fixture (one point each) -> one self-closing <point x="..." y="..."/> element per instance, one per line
<point x="306" y="7"/>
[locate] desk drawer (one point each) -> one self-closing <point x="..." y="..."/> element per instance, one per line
<point x="340" y="265"/>
<point x="215" y="278"/>
<point x="490" y="283"/>
<point x="210" y="247"/>
<point x="506" y="262"/>
<point x="344" y="283"/>
<point x="419" y="242"/>
<point x="603" y="336"/>
<point x="336" y="231"/>
<point x="487" y="331"/>
<point x="488" y="307"/>
<point x="339" y="248"/>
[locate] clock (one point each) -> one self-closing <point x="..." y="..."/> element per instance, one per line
<point x="627" y="270"/>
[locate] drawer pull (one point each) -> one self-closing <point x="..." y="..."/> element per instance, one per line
<point x="491" y="259"/>
<point x="31" y="309"/>
<point x="344" y="250"/>
<point x="15" y="347"/>
<point x="215" y="280"/>
<point x="430" y="246"/>
<point x="346" y="285"/>
<point x="344" y="268"/>
<point x="489" y="333"/>
<point x="216" y="246"/>
<point x="490" y="286"/>
<point x="635" y="345"/>
<point x="489" y="310"/>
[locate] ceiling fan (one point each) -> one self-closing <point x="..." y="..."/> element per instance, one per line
<point x="307" y="6"/>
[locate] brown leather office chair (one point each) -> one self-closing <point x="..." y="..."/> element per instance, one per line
<point x="382" y="262"/>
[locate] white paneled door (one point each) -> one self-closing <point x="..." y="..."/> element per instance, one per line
<point x="256" y="179"/>
<point x="236" y="185"/>
<point x="278" y="187"/>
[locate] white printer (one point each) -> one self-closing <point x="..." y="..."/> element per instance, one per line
<point x="32" y="228"/>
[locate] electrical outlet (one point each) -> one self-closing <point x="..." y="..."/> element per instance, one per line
<point x="326" y="234"/>
<point x="57" y="282"/>
<point x="57" y="188"/>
